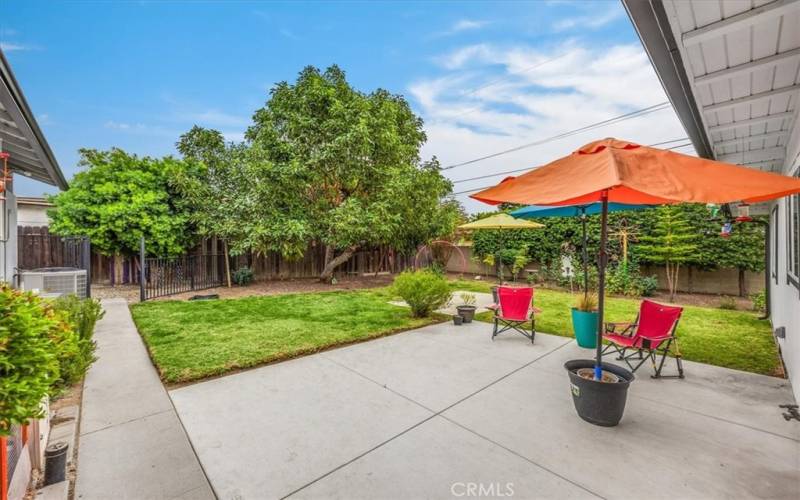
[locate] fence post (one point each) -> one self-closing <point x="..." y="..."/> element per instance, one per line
<point x="86" y="254"/>
<point x="142" y="265"/>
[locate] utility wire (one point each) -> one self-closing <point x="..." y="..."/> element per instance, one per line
<point x="610" y="121"/>
<point x="531" y="168"/>
<point x="519" y="170"/>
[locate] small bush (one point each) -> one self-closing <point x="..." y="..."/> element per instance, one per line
<point x="243" y="276"/>
<point x="28" y="358"/>
<point x="424" y="291"/>
<point x="728" y="303"/>
<point x="759" y="301"/>
<point x="76" y="345"/>
<point x="627" y="280"/>
<point x="468" y="299"/>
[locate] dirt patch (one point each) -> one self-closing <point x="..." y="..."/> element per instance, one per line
<point x="272" y="287"/>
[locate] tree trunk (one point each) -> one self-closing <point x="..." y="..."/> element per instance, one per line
<point x="227" y="263"/>
<point x="691" y="279"/>
<point x="742" y="284"/>
<point x="327" y="273"/>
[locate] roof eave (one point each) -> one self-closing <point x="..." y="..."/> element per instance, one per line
<point x="50" y="162"/>
<point x="649" y="18"/>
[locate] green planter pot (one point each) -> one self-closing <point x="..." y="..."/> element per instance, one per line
<point x="585" y="325"/>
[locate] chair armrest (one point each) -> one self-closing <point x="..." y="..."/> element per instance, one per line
<point x="626" y="328"/>
<point x="495" y="308"/>
<point x="536" y="310"/>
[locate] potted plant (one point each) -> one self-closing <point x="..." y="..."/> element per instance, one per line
<point x="584" y="320"/>
<point x="467" y="309"/>
<point x="457" y="319"/>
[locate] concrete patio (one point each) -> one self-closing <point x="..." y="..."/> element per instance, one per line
<point x="443" y="411"/>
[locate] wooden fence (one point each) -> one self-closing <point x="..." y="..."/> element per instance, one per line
<point x="39" y="248"/>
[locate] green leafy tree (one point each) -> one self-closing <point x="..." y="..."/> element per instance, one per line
<point x="213" y="190"/>
<point x="120" y="197"/>
<point x="670" y="242"/>
<point x="344" y="169"/>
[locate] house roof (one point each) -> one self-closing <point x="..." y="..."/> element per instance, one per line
<point x="21" y="136"/>
<point x="730" y="70"/>
<point x="33" y="201"/>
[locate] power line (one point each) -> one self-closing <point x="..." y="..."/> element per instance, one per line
<point x="616" y="119"/>
<point x="519" y="170"/>
<point x="530" y="168"/>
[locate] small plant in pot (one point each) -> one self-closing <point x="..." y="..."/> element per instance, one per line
<point x="467" y="309"/>
<point x="584" y="320"/>
<point x="457" y="319"/>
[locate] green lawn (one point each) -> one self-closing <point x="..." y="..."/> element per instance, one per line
<point x="192" y="340"/>
<point x="734" y="339"/>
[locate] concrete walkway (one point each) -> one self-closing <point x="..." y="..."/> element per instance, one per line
<point x="444" y="412"/>
<point x="132" y="444"/>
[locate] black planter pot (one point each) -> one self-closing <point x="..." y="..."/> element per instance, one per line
<point x="599" y="403"/>
<point x="466" y="312"/>
<point x="457" y="320"/>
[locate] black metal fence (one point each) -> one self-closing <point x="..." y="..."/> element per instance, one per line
<point x="168" y="276"/>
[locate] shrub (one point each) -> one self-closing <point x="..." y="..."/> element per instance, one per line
<point x="727" y="303"/>
<point x="424" y="291"/>
<point x="759" y="301"/>
<point x="243" y="276"/>
<point x="78" y="347"/>
<point x="627" y="280"/>
<point x="28" y="359"/>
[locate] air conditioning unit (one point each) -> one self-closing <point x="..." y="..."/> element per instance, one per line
<point x="54" y="281"/>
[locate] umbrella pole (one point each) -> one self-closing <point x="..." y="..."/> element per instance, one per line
<point x="585" y="256"/>
<point x="601" y="286"/>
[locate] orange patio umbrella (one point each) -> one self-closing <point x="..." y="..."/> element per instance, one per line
<point x="612" y="170"/>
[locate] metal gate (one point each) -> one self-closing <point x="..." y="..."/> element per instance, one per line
<point x="164" y="276"/>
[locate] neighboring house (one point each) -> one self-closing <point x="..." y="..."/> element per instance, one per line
<point x="32" y="211"/>
<point x="731" y="70"/>
<point x="26" y="152"/>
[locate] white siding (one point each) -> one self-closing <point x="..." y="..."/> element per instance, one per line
<point x="785" y="307"/>
<point x="8" y="248"/>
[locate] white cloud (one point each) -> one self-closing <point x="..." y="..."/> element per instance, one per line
<point x="139" y="128"/>
<point x="515" y="95"/>
<point x="14" y="47"/>
<point x="287" y="33"/>
<point x="117" y="125"/>
<point x="212" y="118"/>
<point x="591" y="21"/>
<point x="461" y="26"/>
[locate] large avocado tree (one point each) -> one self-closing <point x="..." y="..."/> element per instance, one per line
<point x="331" y="164"/>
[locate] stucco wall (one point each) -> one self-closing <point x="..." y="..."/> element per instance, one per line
<point x="32" y="215"/>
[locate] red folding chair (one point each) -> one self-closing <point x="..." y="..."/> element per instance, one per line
<point x="653" y="334"/>
<point x="515" y="308"/>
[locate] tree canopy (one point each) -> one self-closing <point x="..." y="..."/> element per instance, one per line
<point x="341" y="167"/>
<point x="118" y="198"/>
<point x="322" y="163"/>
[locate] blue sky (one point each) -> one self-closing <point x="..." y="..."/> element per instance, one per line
<point x="485" y="76"/>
